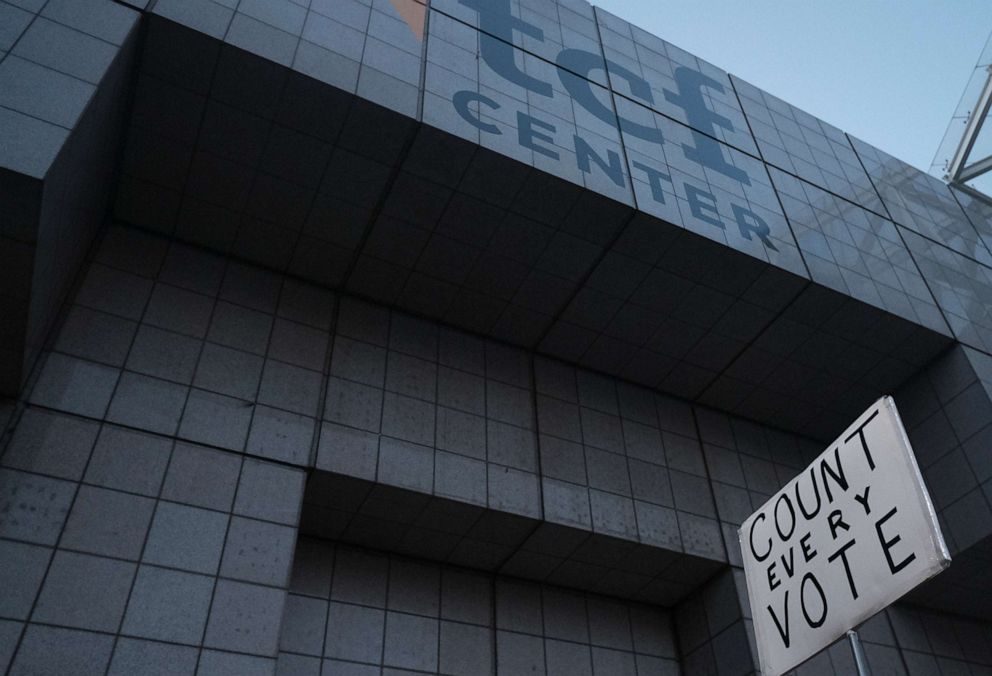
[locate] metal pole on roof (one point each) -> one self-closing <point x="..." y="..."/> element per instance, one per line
<point x="972" y="129"/>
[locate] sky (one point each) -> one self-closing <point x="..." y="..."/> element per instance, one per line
<point x="889" y="72"/>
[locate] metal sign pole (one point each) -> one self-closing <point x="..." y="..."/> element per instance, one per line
<point x="859" y="653"/>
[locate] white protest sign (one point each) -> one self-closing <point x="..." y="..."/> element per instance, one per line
<point x="849" y="535"/>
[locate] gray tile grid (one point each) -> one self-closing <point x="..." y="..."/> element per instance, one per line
<point x="369" y="48"/>
<point x="410" y="368"/>
<point x="947" y="411"/>
<point x="347" y="509"/>
<point x="248" y="159"/>
<point x="383" y="56"/>
<point x="509" y="112"/>
<point x="177" y="355"/>
<point x="674" y="77"/>
<point x="452" y="29"/>
<point x="117" y="528"/>
<point x="648" y="312"/>
<point x="557" y="26"/>
<point x="52" y="215"/>
<point x="55" y="55"/>
<point x="402" y="425"/>
<point x="444" y="50"/>
<point x="351" y="607"/>
<point x="228" y="206"/>
<point x="746" y="464"/>
<point x="473" y="258"/>
<point x="651" y="314"/>
<point x="714" y="630"/>
<point x="412" y="363"/>
<point x="805" y="146"/>
<point x="200" y="348"/>
<point x="440" y="238"/>
<point x="734" y="204"/>
<point x="434" y="411"/>
<point x="509" y="272"/>
<point x="138" y="548"/>
<point x="856" y="252"/>
<point x="979" y="214"/>
<point x="934" y="644"/>
<point x="455" y="413"/>
<point x="923" y="204"/>
<point x="828" y="351"/>
<point x="619" y="461"/>
<point x="52" y="57"/>
<point x="961" y="286"/>
<point x="420" y="290"/>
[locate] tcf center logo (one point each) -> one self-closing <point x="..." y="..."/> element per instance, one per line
<point x="498" y="29"/>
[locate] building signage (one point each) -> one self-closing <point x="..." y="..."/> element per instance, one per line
<point x="848" y="536"/>
<point x="498" y="28"/>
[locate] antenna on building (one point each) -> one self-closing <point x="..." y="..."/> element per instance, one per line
<point x="964" y="158"/>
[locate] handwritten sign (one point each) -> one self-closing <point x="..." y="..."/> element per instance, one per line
<point x="849" y="535"/>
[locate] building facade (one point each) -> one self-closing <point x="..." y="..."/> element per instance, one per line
<point x="388" y="337"/>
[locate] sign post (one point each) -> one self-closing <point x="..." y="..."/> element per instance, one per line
<point x="849" y="535"/>
<point x="859" y="654"/>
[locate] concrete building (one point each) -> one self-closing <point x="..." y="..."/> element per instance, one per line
<point x="354" y="337"/>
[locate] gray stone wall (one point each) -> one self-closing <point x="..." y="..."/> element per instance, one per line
<point x="193" y="414"/>
<point x="256" y="443"/>
<point x="65" y="81"/>
<point x="351" y="610"/>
